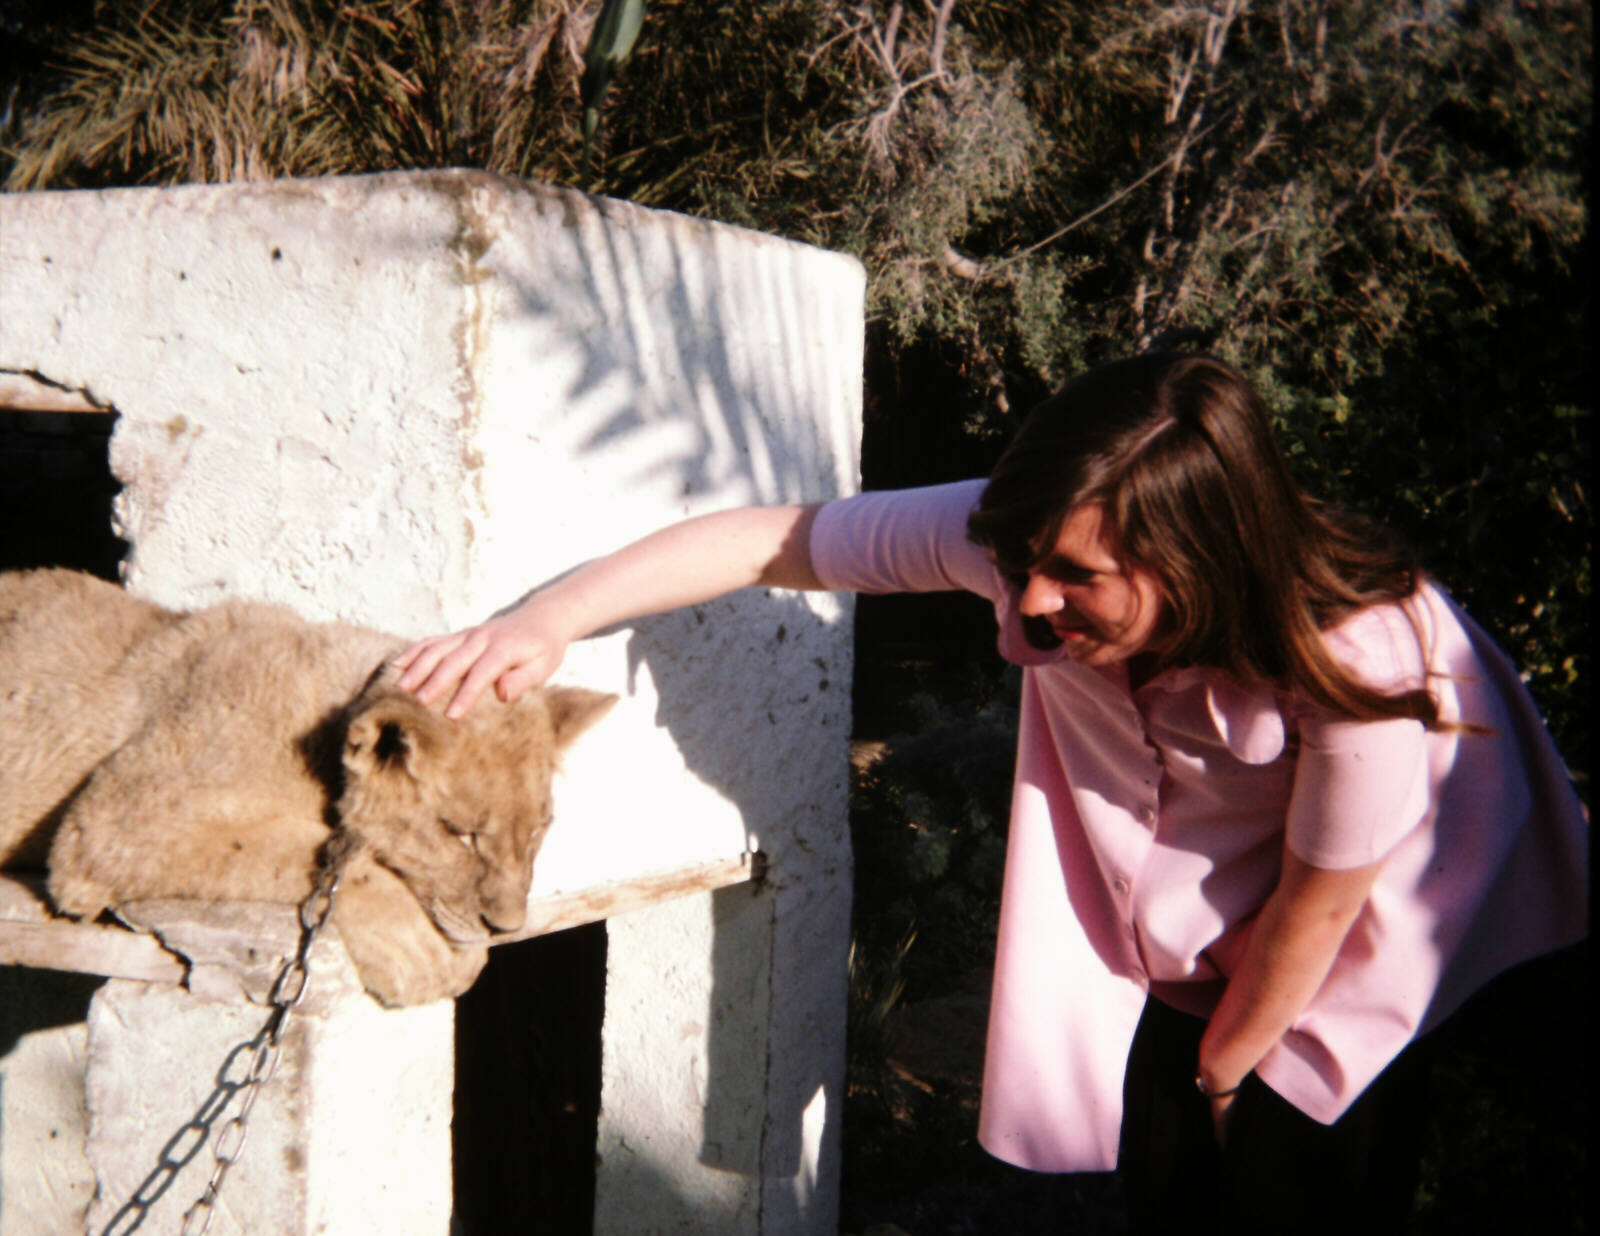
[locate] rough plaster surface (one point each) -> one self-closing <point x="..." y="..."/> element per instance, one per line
<point x="406" y="399"/>
<point x="352" y="1135"/>
<point x="45" y="1181"/>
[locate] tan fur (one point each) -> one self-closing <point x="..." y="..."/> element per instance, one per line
<point x="210" y="756"/>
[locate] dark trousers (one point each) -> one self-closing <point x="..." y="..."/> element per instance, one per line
<point x="1282" y="1171"/>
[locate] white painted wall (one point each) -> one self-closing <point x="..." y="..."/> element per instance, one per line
<point x="405" y="399"/>
<point x="45" y="1181"/>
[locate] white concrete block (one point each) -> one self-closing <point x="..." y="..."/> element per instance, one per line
<point x="352" y="1134"/>
<point x="45" y="1180"/>
<point x="404" y="400"/>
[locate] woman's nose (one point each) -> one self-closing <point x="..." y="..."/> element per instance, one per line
<point x="1040" y="598"/>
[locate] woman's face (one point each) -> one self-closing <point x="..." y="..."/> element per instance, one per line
<point x="1101" y="609"/>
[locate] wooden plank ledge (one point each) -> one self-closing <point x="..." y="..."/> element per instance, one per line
<point x="558" y="911"/>
<point x="31" y="935"/>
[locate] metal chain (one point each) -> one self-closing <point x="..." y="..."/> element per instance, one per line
<point x="262" y="1052"/>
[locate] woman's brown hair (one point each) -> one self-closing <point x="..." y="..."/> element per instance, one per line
<point x="1179" y="452"/>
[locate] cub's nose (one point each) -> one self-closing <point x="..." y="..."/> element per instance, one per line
<point x="504" y="920"/>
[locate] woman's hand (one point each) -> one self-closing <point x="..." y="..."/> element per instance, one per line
<point x="511" y="653"/>
<point x="1221" y="1116"/>
<point x="1222" y="1100"/>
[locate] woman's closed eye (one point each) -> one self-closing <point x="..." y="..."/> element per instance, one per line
<point x="1064" y="572"/>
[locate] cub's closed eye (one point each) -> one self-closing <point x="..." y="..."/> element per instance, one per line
<point x="464" y="836"/>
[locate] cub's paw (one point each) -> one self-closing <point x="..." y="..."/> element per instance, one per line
<point x="74" y="889"/>
<point x="78" y="895"/>
<point x="400" y="955"/>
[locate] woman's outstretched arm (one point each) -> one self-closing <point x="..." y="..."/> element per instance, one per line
<point x="683" y="564"/>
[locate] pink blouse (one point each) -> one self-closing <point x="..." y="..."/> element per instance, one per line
<point x="1147" y="829"/>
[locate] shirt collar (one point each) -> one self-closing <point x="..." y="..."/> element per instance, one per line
<point x="1247" y="716"/>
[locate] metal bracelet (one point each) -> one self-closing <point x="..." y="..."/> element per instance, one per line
<point x="1200" y="1085"/>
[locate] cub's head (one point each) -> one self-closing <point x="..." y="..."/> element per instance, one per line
<point x="457" y="809"/>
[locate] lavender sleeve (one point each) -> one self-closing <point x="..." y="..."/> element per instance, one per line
<point x="1362" y="786"/>
<point x="908" y="540"/>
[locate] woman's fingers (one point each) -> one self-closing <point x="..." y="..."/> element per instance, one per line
<point x="520" y="678"/>
<point x="409" y="657"/>
<point x="438" y="665"/>
<point x="475" y="678"/>
<point x="509" y="669"/>
<point x="418" y="662"/>
<point x="460" y="667"/>
<point x="1222" y="1116"/>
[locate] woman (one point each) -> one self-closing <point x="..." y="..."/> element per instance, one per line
<point x="1267" y="773"/>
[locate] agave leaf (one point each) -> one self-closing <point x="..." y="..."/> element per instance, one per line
<point x="615" y="32"/>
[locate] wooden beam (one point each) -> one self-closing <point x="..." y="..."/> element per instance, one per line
<point x="30" y="935"/>
<point x="589" y="905"/>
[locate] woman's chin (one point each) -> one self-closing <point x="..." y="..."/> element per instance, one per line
<point x="1084" y="649"/>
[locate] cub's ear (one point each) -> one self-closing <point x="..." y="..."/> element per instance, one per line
<point x="391" y="733"/>
<point x="573" y="710"/>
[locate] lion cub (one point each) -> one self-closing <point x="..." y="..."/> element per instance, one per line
<point x="146" y="753"/>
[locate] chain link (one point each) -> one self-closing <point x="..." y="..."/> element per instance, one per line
<point x="262" y="1053"/>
